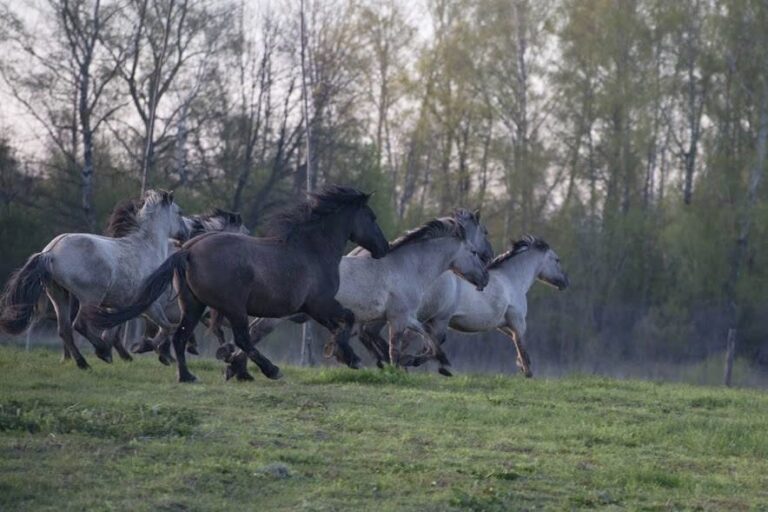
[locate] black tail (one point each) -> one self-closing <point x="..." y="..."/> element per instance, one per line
<point x="21" y="294"/>
<point x="151" y="289"/>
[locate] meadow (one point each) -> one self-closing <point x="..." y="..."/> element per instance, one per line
<point x="127" y="437"/>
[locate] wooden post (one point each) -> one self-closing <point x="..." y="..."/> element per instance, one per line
<point x="730" y="351"/>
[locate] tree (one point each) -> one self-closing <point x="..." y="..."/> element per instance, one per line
<point x="73" y="83"/>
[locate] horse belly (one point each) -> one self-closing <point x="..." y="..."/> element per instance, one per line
<point x="273" y="305"/>
<point x="478" y="318"/>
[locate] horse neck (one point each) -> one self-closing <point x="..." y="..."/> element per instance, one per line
<point x="154" y="233"/>
<point x="520" y="271"/>
<point x="330" y="240"/>
<point x="430" y="258"/>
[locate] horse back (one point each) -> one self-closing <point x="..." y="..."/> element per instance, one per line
<point x="230" y="271"/>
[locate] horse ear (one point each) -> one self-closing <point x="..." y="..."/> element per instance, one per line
<point x="170" y="197"/>
<point x="476" y="214"/>
<point x="238" y="219"/>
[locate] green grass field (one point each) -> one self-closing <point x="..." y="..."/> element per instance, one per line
<point x="127" y="437"/>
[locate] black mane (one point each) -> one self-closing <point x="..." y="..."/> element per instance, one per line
<point x="122" y="221"/>
<point x="329" y="200"/>
<point x="435" y="228"/>
<point x="519" y="247"/>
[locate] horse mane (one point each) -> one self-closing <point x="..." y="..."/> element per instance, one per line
<point x="311" y="211"/>
<point x="214" y="220"/>
<point x="122" y="221"/>
<point x="435" y="228"/>
<point x="526" y="243"/>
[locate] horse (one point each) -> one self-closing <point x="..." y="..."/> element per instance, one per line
<point x="95" y="270"/>
<point x="503" y="304"/>
<point x="294" y="269"/>
<point x="391" y="290"/>
<point x="121" y="223"/>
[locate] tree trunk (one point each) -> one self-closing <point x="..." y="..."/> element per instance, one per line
<point x="744" y="221"/>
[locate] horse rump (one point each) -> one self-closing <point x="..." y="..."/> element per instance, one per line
<point x="154" y="286"/>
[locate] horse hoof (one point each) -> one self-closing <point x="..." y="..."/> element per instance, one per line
<point x="444" y="372"/>
<point x="355" y="365"/>
<point x="380" y="364"/>
<point x="106" y="357"/>
<point x="528" y="374"/>
<point x="126" y="357"/>
<point x="83" y="365"/>
<point x="191" y="349"/>
<point x="142" y="347"/>
<point x="274" y="374"/>
<point x="224" y="352"/>
<point x="187" y="377"/>
<point x="163" y="359"/>
<point x="246" y="376"/>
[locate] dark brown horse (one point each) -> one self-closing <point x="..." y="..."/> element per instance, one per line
<point x="294" y="270"/>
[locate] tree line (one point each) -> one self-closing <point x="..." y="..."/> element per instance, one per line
<point x="631" y="134"/>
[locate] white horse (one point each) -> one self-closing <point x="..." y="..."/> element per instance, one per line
<point x="392" y="288"/>
<point x="122" y="222"/>
<point x="503" y="304"/>
<point x="97" y="270"/>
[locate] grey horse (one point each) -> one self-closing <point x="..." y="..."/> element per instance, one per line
<point x="503" y="305"/>
<point x="96" y="270"/>
<point x="391" y="290"/>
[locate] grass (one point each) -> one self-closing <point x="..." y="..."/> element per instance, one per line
<point x="127" y="437"/>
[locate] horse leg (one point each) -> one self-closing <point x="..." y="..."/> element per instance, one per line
<point x="371" y="340"/>
<point x="239" y="323"/>
<point x="237" y="360"/>
<point x="60" y="299"/>
<point x="192" y="309"/>
<point x="523" y="361"/>
<point x="103" y="348"/>
<point x="74" y="307"/>
<point x="396" y="331"/>
<point x="115" y="338"/>
<point x="161" y="342"/>
<point x="339" y="320"/>
<point x="145" y="344"/>
<point x="440" y="334"/>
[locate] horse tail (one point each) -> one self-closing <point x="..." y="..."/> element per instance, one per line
<point x="22" y="293"/>
<point x="154" y="286"/>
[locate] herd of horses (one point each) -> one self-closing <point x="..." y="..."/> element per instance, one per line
<point x="177" y="271"/>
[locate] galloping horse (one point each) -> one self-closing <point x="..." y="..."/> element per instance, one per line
<point x="295" y="270"/>
<point x="122" y="222"/>
<point x="391" y="290"/>
<point x="503" y="304"/>
<point x="95" y="270"/>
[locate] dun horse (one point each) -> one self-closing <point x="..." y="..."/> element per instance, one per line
<point x="95" y="270"/>
<point x="122" y="222"/>
<point x="295" y="270"/>
<point x="503" y="304"/>
<point x="391" y="290"/>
